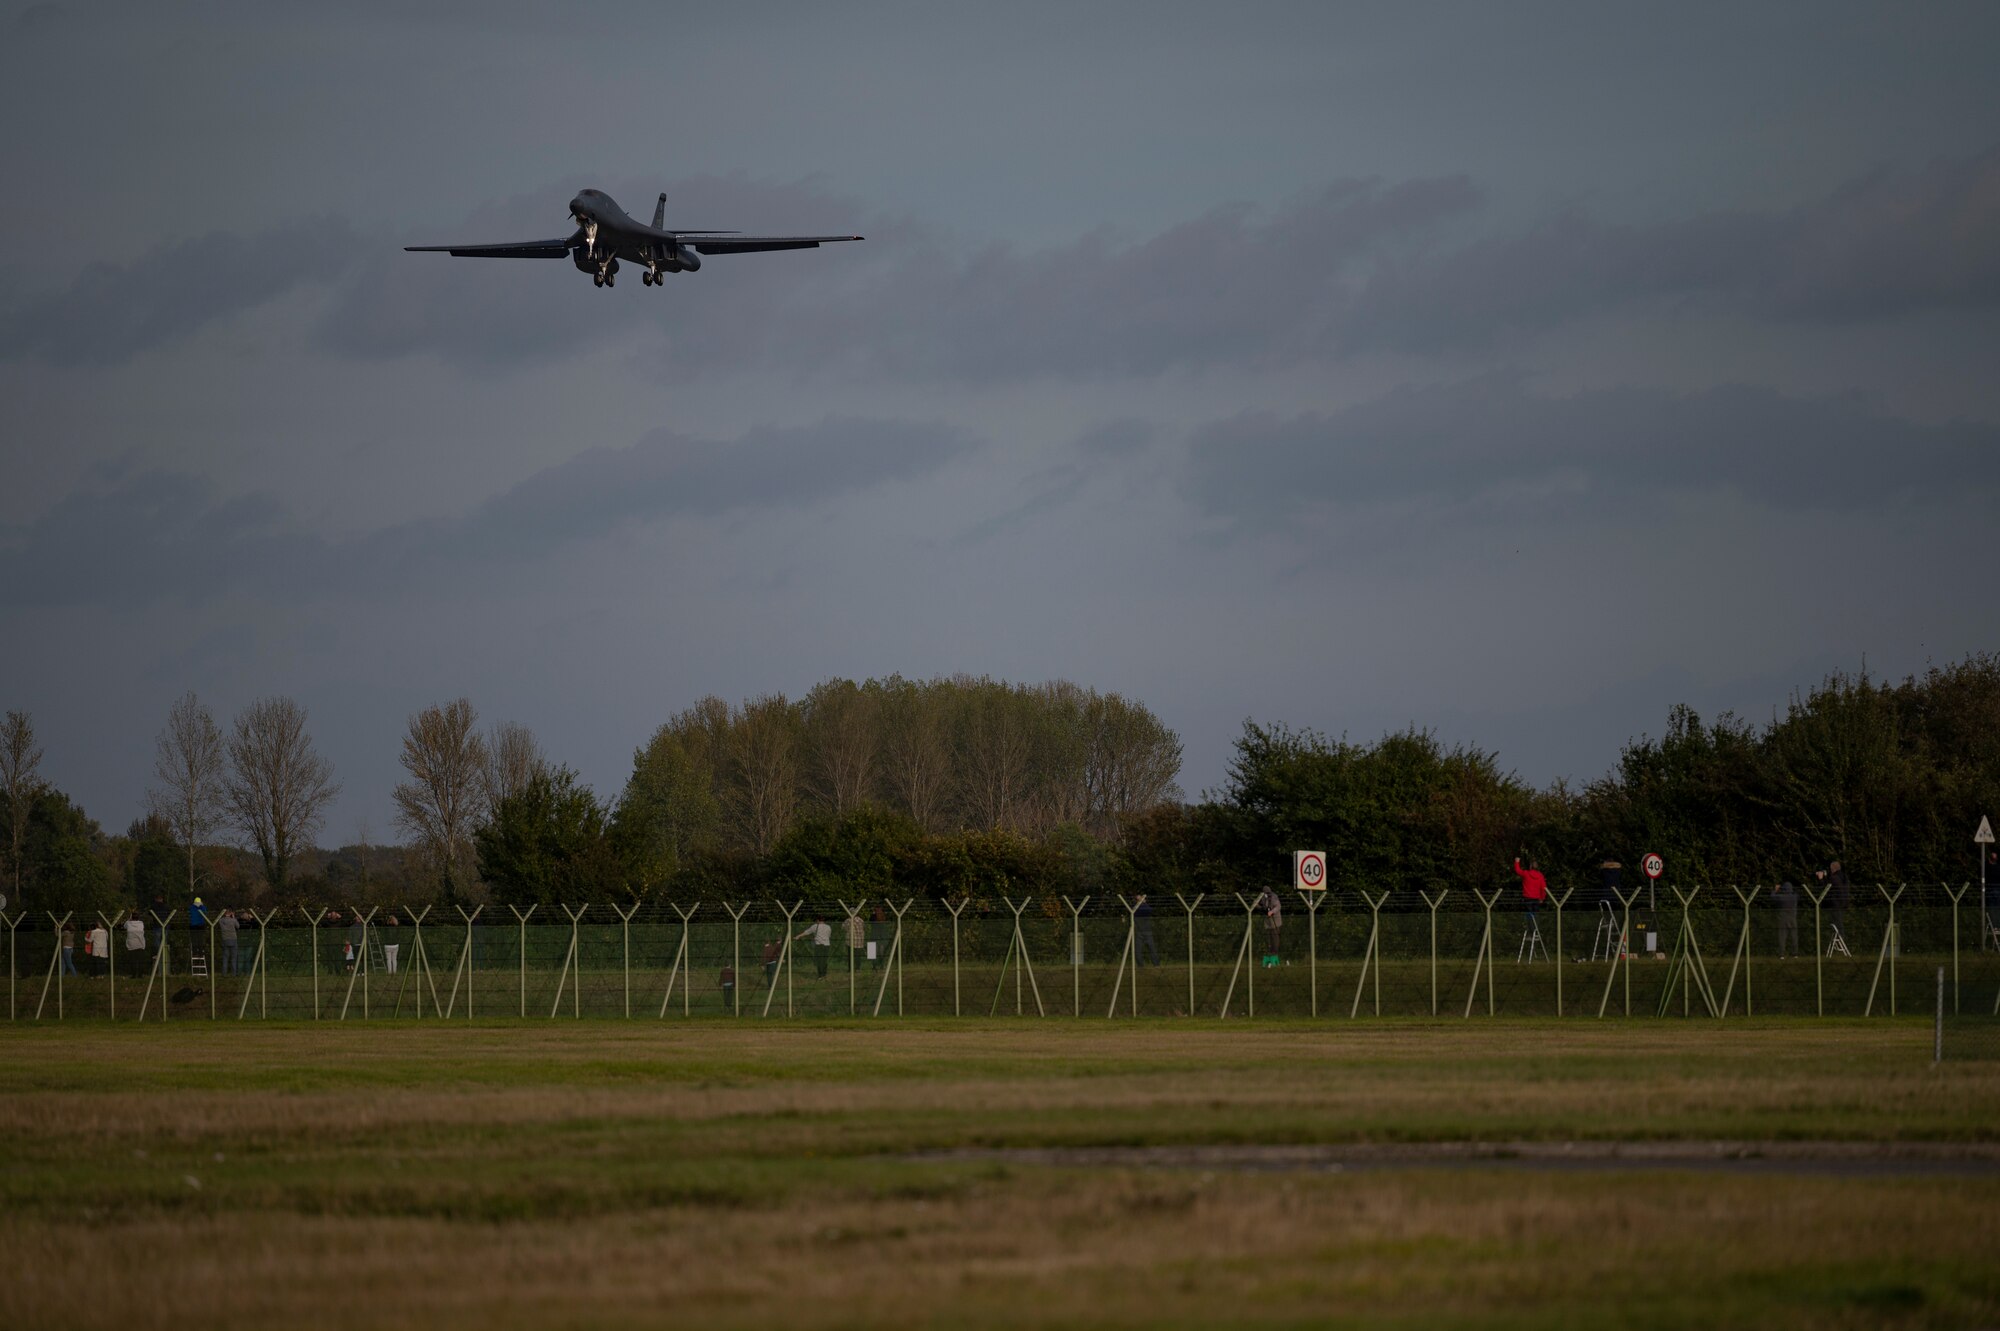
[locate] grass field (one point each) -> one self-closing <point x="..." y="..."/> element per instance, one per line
<point x="599" y="1173"/>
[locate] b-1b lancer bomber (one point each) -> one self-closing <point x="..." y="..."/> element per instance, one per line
<point x="605" y="234"/>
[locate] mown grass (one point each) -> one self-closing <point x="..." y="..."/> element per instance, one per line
<point x="596" y="1173"/>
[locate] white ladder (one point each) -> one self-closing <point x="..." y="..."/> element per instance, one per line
<point x="1838" y="947"/>
<point x="197" y="959"/>
<point x="1606" y="936"/>
<point x="1531" y="939"/>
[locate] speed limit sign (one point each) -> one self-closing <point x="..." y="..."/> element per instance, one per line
<point x="1653" y="865"/>
<point x="1309" y="870"/>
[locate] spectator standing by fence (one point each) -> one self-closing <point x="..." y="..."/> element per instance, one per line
<point x="1274" y="925"/>
<point x="1786" y="895"/>
<point x="821" y="934"/>
<point x="771" y="954"/>
<point x="1144" y="946"/>
<point x="729" y="989"/>
<point x="1534" y="889"/>
<point x="225" y="931"/>
<point x="357" y="939"/>
<point x="68" y="950"/>
<point x="1841" y="890"/>
<point x="135" y="934"/>
<point x="198" y="930"/>
<point x="100" y="949"/>
<point x="1609" y="873"/>
<point x="878" y="937"/>
<point x="857" y="938"/>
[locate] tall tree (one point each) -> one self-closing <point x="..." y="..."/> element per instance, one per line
<point x="279" y="786"/>
<point x="513" y="759"/>
<point x="764" y="763"/>
<point x="918" y="750"/>
<point x="668" y="810"/>
<point x="187" y="763"/>
<point x="545" y="843"/>
<point x="441" y="802"/>
<point x="20" y="768"/>
<point x="842" y="735"/>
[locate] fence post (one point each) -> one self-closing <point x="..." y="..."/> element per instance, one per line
<point x="1017" y="955"/>
<point x="110" y="962"/>
<point x="1312" y="901"/>
<point x="1819" y="951"/>
<point x="263" y="924"/>
<point x="850" y="929"/>
<point x="1485" y="958"/>
<point x="1076" y="955"/>
<point x="467" y="961"/>
<point x="12" y="925"/>
<point x="1371" y="957"/>
<point x="521" y="922"/>
<point x="1243" y="956"/>
<point x="1888" y="953"/>
<point x="1434" y="940"/>
<point x="1743" y="954"/>
<point x="1559" y="902"/>
<point x="895" y="960"/>
<point x="963" y="902"/>
<point x="736" y="915"/>
<point x="360" y="971"/>
<point x="625" y="914"/>
<point x="1955" y="897"/>
<point x="784" y="958"/>
<point x="209" y="925"/>
<point x="1189" y="907"/>
<point x="55" y="967"/>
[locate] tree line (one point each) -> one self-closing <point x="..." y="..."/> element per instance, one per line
<point x="976" y="785"/>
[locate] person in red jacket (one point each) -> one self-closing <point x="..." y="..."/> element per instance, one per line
<point x="1534" y="887"/>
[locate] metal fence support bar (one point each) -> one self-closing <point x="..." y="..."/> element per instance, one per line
<point x="1442" y="894"/>
<point x="625" y="914"/>
<point x="1129" y="952"/>
<point x="13" y="964"/>
<point x="1962" y="889"/>
<point x="1312" y="901"/>
<point x="1371" y="956"/>
<point x="1819" y="950"/>
<point x="1243" y="956"/>
<point x="212" y="986"/>
<point x="55" y="967"/>
<point x="157" y="973"/>
<point x="1559" y="902"/>
<point x="257" y="967"/>
<point x="1189" y="907"/>
<point x="736" y="915"/>
<point x="1887" y="953"/>
<point x="1076" y="956"/>
<point x="360" y="971"/>
<point x="110" y="962"/>
<point x="851" y="929"/>
<point x="784" y="960"/>
<point x="683" y="966"/>
<point x="1485" y="959"/>
<point x="466" y="964"/>
<point x="521" y="922"/>
<point x="1742" y="954"/>
<point x="955" y="912"/>
<point x="313" y="921"/>
<point x="894" y="965"/>
<point x="1017" y="956"/>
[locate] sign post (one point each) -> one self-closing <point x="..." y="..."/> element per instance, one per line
<point x="1309" y="870"/>
<point x="1653" y="866"/>
<point x="1981" y="839"/>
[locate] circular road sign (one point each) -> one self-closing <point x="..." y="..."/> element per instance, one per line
<point x="1311" y="869"/>
<point x="1653" y="865"/>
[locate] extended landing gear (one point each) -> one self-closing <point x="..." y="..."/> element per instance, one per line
<point x="607" y="275"/>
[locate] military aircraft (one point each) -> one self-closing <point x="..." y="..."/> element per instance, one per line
<point x="604" y="235"/>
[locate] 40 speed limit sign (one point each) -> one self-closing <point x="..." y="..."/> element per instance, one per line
<point x="1653" y="865"/>
<point x="1309" y="870"/>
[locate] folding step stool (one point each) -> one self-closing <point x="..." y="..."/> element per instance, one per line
<point x="1838" y="947"/>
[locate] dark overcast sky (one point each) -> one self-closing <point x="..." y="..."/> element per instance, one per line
<point x="1516" y="370"/>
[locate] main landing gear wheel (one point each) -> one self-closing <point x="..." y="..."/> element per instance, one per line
<point x="597" y="279"/>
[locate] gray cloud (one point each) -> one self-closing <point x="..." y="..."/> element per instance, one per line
<point x="1465" y="440"/>
<point x="1886" y="244"/>
<point x="111" y="312"/>
<point x="134" y="538"/>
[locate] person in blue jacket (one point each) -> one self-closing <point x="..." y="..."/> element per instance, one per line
<point x="197" y="929"/>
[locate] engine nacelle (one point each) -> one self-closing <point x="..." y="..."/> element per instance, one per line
<point x="684" y="259"/>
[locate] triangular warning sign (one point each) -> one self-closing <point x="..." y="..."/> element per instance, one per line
<point x="1984" y="836"/>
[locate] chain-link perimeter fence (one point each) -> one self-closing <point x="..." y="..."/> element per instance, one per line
<point x="1716" y="952"/>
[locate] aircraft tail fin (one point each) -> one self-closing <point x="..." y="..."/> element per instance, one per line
<point x="660" y="213"/>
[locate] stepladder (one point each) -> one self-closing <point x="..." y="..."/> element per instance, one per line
<point x="1607" y="942"/>
<point x="1531" y="941"/>
<point x="1837" y="944"/>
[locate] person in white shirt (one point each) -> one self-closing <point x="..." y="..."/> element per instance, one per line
<point x="135" y="933"/>
<point x="100" y="949"/>
<point x="821" y="934"/>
